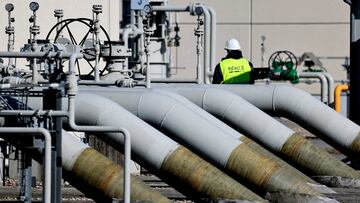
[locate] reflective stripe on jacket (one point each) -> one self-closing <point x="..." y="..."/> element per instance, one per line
<point x="235" y="71"/>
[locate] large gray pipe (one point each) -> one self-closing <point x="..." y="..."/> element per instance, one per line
<point x="304" y="109"/>
<point x="175" y="163"/>
<point x="246" y="118"/>
<point x="159" y="152"/>
<point x="192" y="129"/>
<point x="97" y="176"/>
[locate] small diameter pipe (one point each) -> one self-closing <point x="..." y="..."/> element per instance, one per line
<point x="47" y="156"/>
<point x="212" y="39"/>
<point x="71" y="107"/>
<point x="323" y="82"/>
<point x="171" y="8"/>
<point x="35" y="54"/>
<point x="338" y="90"/>
<point x="207" y="47"/>
<point x="331" y="88"/>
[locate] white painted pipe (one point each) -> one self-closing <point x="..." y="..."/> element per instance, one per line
<point x="331" y="88"/>
<point x="212" y="40"/>
<point x="323" y="83"/>
<point x="194" y="128"/>
<point x="304" y="109"/>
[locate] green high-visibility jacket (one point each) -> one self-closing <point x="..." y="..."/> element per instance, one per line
<point x="235" y="71"/>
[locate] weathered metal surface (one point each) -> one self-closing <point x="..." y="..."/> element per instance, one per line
<point x="313" y="160"/>
<point x="204" y="178"/>
<point x="259" y="149"/>
<point x="105" y="179"/>
<point x="265" y="174"/>
<point x="355" y="146"/>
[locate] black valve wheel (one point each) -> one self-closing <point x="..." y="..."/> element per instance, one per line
<point x="85" y="41"/>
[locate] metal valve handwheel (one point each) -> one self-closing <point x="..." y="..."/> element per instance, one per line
<point x="284" y="60"/>
<point x="85" y="40"/>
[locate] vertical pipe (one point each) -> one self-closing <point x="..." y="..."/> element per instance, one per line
<point x="355" y="62"/>
<point x="337" y="96"/>
<point x="323" y="83"/>
<point x="207" y="35"/>
<point x="47" y="156"/>
<point x="331" y="88"/>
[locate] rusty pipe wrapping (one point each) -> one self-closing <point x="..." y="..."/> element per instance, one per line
<point x="97" y="176"/>
<point x="199" y="175"/>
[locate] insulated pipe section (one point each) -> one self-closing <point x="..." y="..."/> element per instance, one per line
<point x="97" y="176"/>
<point x="304" y="109"/>
<point x="172" y="116"/>
<point x="323" y="83"/>
<point x="196" y="96"/>
<point x="245" y="117"/>
<point x="159" y="152"/>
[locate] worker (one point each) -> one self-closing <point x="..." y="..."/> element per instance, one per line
<point x="234" y="68"/>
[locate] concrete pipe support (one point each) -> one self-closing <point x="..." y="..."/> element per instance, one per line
<point x="222" y="149"/>
<point x="183" y="169"/>
<point x="245" y="117"/>
<point x="307" y="111"/>
<point x="97" y="176"/>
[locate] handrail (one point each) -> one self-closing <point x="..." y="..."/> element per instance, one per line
<point x="47" y="162"/>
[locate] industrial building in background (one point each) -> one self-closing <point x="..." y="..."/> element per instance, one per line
<point x="137" y="76"/>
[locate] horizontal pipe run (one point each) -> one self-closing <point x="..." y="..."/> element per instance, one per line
<point x="47" y="155"/>
<point x="34" y="113"/>
<point x="35" y="54"/>
<point x="171" y="8"/>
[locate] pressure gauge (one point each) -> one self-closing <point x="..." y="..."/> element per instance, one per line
<point x="9" y="7"/>
<point x="148" y="8"/>
<point x="34" y="6"/>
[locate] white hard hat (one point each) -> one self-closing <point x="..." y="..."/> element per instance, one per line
<point x="232" y="44"/>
